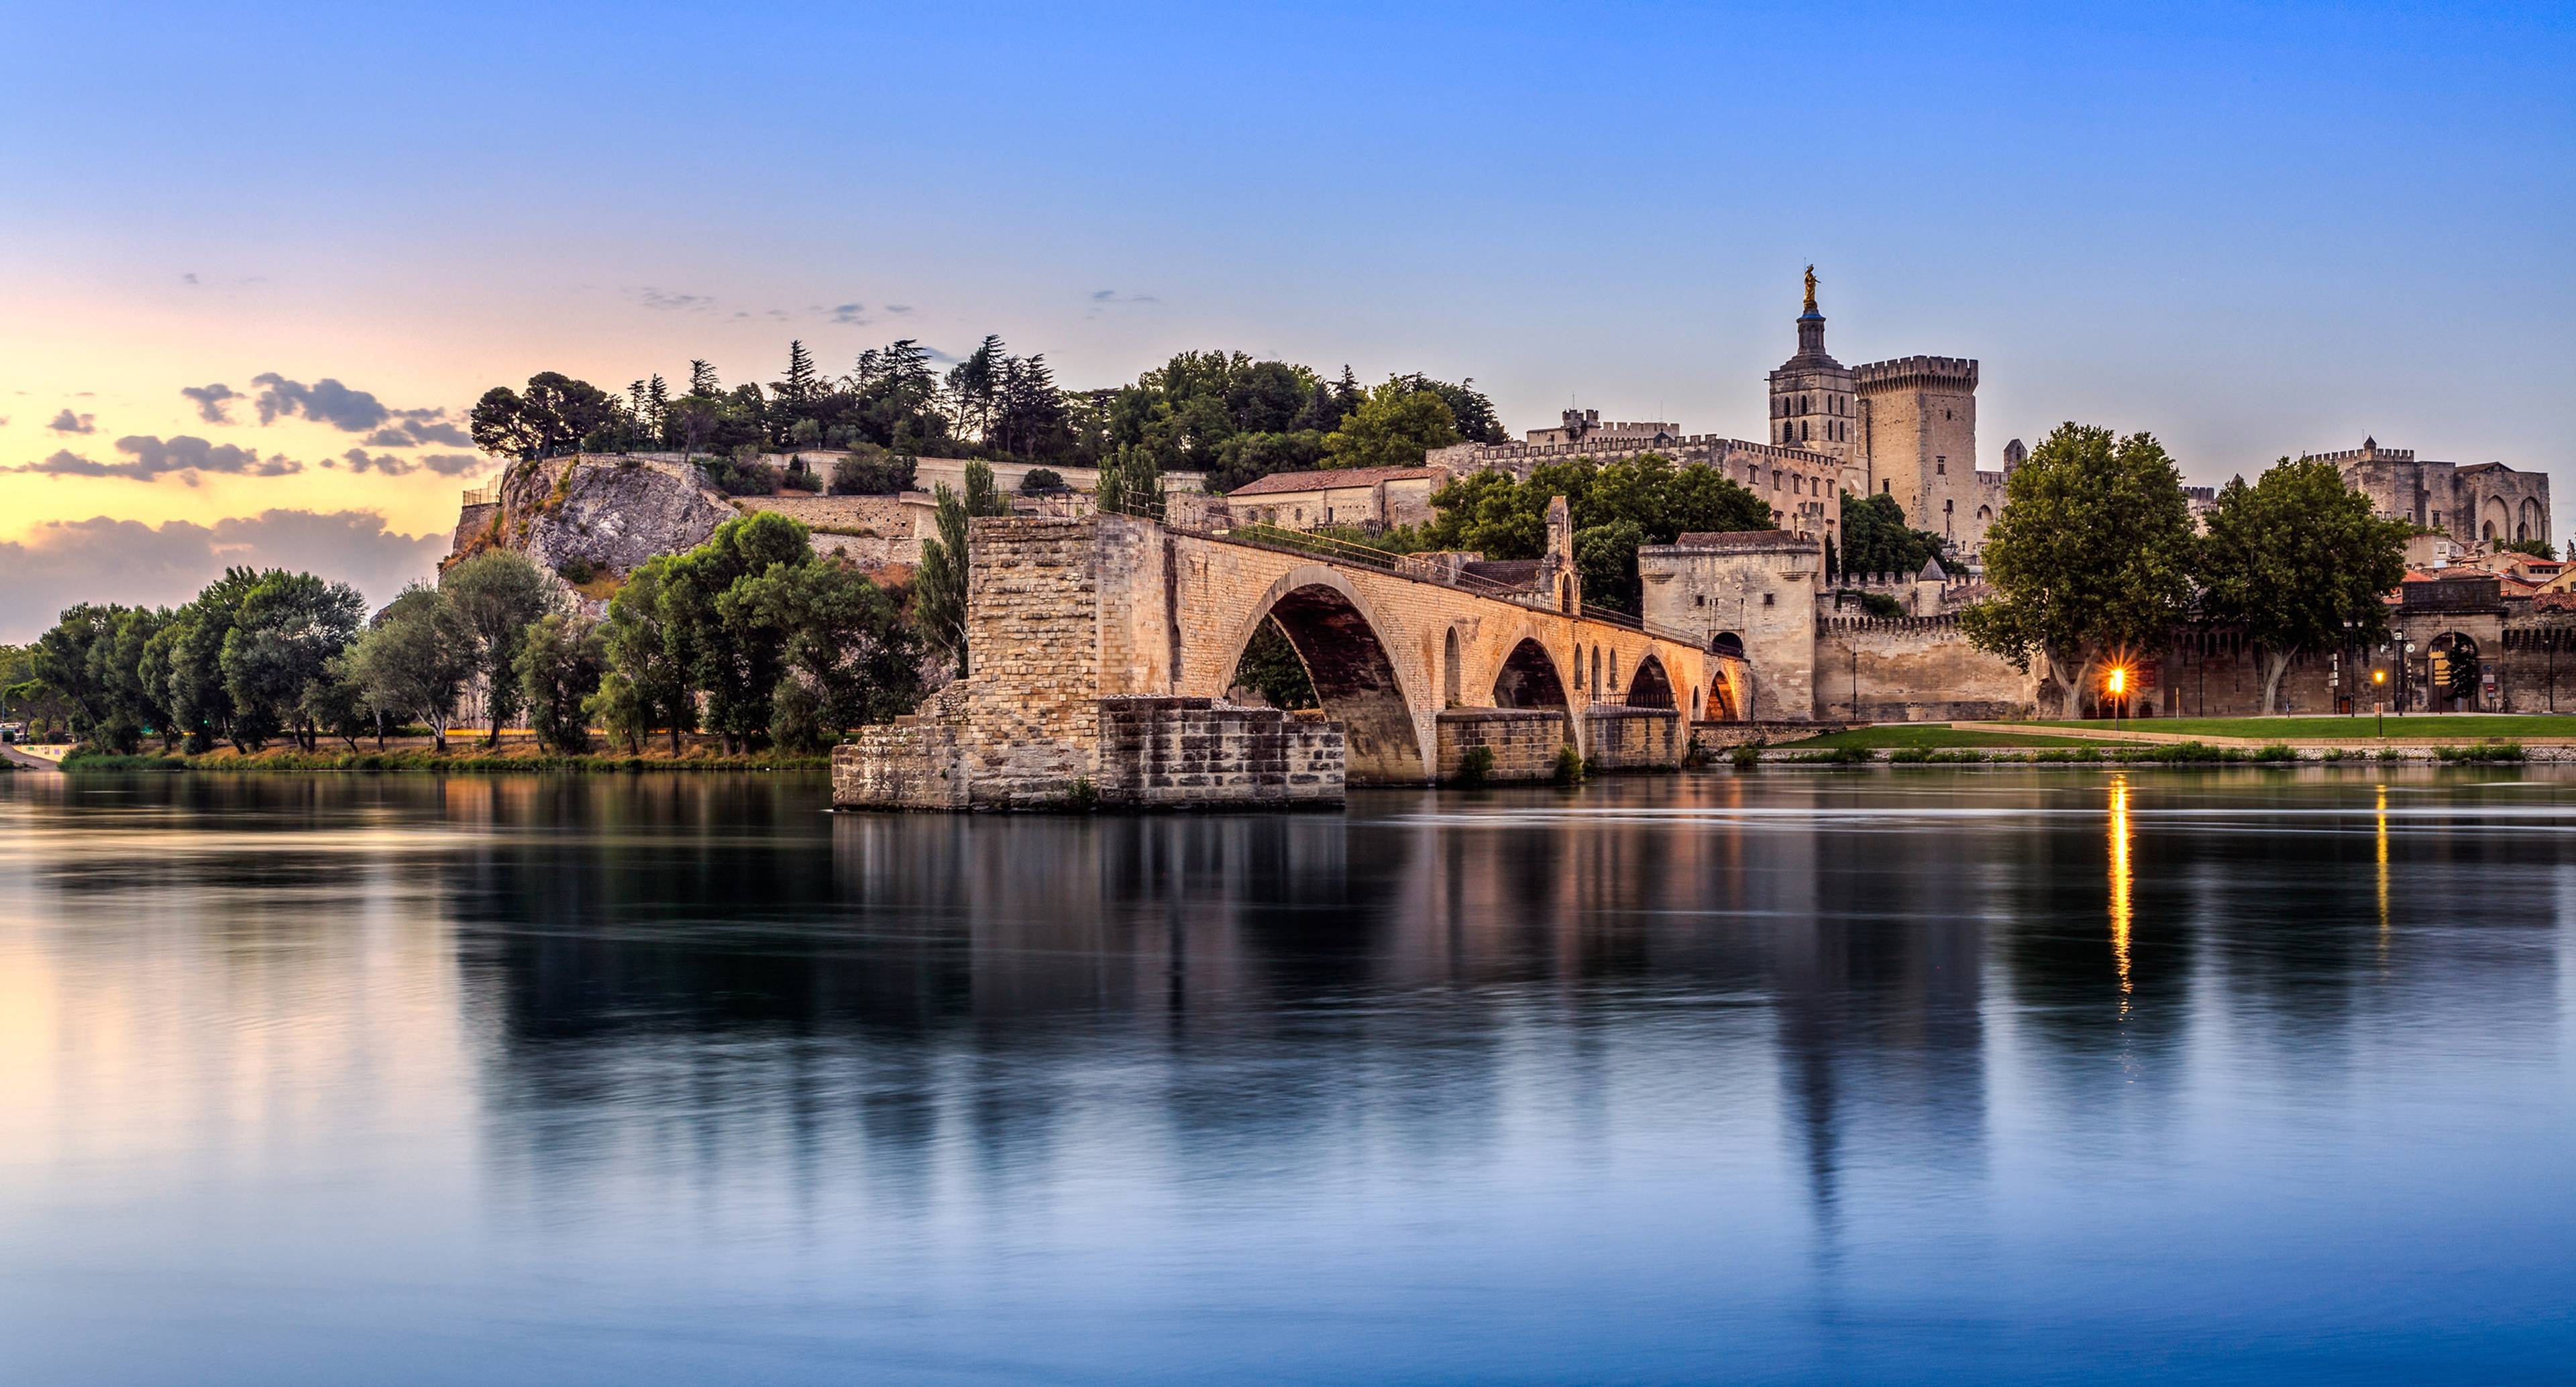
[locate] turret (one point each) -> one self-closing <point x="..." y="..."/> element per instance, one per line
<point x="1812" y="407"/>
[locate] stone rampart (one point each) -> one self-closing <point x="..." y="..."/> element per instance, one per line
<point x="1913" y="669"/>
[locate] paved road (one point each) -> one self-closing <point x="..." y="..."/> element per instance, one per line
<point x="26" y="762"/>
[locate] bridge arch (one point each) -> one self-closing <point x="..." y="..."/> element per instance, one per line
<point x="1338" y="637"/>
<point x="1649" y="686"/>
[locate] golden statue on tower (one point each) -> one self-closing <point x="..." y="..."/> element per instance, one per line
<point x="1811" y="288"/>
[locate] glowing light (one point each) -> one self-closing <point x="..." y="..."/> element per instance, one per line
<point x="2120" y="885"/>
<point x="2119" y="682"/>
<point x="2383" y="876"/>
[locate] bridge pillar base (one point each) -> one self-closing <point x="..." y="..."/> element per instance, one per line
<point x="1147" y="752"/>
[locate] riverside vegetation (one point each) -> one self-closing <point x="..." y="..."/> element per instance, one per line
<point x="751" y="639"/>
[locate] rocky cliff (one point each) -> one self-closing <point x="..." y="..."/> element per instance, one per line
<point x="605" y="515"/>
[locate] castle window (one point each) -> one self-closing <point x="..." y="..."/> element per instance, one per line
<point x="1940" y="467"/>
<point x="1882" y="487"/>
<point x="1805" y="432"/>
<point x="1768" y="597"/>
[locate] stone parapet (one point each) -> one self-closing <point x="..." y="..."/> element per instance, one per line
<point x="1170" y="752"/>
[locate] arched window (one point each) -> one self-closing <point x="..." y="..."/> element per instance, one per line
<point x="1882" y="488"/>
<point x="1449" y="667"/>
<point x="1596" y="669"/>
<point x="1805" y="432"/>
<point x="1578" y="665"/>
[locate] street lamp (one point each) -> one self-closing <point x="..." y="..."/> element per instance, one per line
<point x="2118" y="685"/>
<point x="2379" y="701"/>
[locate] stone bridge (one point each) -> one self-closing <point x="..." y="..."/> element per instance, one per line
<point x="1101" y="651"/>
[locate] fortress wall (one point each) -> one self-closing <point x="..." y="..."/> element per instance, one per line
<point x="1912" y="669"/>
<point x="888" y="516"/>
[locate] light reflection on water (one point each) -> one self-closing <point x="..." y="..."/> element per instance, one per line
<point x="1809" y="1076"/>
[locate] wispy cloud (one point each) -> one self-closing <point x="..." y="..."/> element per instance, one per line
<point x="1103" y="300"/>
<point x="850" y="313"/>
<point x="148" y="458"/>
<point x="68" y="422"/>
<point x="444" y="464"/>
<point x="671" y="300"/>
<point x="62" y="562"/>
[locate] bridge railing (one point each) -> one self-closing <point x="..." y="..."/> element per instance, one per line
<point x="1345" y="551"/>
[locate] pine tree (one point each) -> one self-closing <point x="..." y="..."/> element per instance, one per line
<point x="702" y="378"/>
<point x="799" y="387"/>
<point x="657" y="404"/>
<point x="1346" y="391"/>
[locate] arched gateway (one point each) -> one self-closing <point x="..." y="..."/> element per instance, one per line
<point x="1102" y="650"/>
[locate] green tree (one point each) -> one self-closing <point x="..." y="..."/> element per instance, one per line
<point x="648" y="684"/>
<point x="872" y="473"/>
<point x="189" y="661"/>
<point x="1393" y="427"/>
<point x="1616" y="507"/>
<point x="498" y="594"/>
<point x="67" y="659"/>
<point x="939" y="584"/>
<point x="551" y="417"/>
<point x="850" y="657"/>
<point x="558" y="669"/>
<point x="1043" y="481"/>
<point x="733" y="665"/>
<point x="1876" y="538"/>
<point x="2091" y="559"/>
<point x="2295" y="557"/>
<point x="2537" y="548"/>
<point x="1272" y="668"/>
<point x="415" y="658"/>
<point x="286" y="632"/>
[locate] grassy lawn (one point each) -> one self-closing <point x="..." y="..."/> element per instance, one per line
<point x="2463" y="726"/>
<point x="1934" y="736"/>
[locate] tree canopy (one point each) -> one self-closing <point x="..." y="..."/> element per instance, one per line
<point x="2293" y="558"/>
<point x="2092" y="557"/>
<point x="1616" y="507"/>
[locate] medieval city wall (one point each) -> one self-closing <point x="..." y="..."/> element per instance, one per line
<point x="1912" y="669"/>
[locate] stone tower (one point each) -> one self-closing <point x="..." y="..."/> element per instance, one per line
<point x="1918" y="417"/>
<point x="1812" y="404"/>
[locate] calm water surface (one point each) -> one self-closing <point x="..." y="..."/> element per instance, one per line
<point x="1988" y="1075"/>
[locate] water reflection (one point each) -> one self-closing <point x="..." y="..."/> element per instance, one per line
<point x="1815" y="1067"/>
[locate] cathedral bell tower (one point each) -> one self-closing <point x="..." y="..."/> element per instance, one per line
<point x="1812" y="405"/>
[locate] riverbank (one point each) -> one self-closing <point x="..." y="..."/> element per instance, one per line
<point x="521" y="758"/>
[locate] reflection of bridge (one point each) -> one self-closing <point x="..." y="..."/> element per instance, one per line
<point x="1101" y="649"/>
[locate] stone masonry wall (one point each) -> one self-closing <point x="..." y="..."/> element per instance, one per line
<point x="1181" y="752"/>
<point x="1913" y="669"/>
<point x="1525" y="741"/>
<point x="1630" y="739"/>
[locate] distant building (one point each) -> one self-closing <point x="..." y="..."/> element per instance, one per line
<point x="2474" y="503"/>
<point x="1904" y="428"/>
<point x="1374" y="498"/>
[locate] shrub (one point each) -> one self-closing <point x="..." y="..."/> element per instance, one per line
<point x="1962" y="756"/>
<point x="1745" y="756"/>
<point x="2390" y="753"/>
<point x="2480" y="751"/>
<point x="1569" y="766"/>
<point x="740" y="475"/>
<point x="2332" y="753"/>
<point x="1085" y="796"/>
<point x="1909" y="756"/>
<point x="576" y="571"/>
<point x="1837" y="756"/>
<point x="1476" y="766"/>
<point x="1043" y="481"/>
<point x="2276" y="752"/>
<point x="862" y="474"/>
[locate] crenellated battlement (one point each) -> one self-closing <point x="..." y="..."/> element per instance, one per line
<point x="1474" y="454"/>
<point x="1915" y="371"/>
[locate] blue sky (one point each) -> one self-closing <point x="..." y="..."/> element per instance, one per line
<point x="2252" y="231"/>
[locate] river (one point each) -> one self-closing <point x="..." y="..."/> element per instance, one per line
<point x="1986" y="1074"/>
